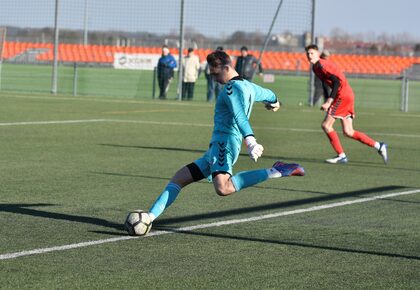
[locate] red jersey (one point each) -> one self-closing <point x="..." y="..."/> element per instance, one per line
<point x="324" y="69"/>
<point x="343" y="104"/>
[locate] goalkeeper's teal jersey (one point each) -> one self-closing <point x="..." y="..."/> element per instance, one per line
<point x="233" y="108"/>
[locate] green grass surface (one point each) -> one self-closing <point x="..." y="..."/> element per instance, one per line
<point x="66" y="183"/>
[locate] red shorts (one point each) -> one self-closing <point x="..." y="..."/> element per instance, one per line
<point x="342" y="107"/>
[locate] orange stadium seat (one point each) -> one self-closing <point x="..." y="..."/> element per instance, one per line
<point x="272" y="60"/>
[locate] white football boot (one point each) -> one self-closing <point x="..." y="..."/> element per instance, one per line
<point x="337" y="160"/>
<point x="383" y="151"/>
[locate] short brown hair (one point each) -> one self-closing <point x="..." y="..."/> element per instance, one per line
<point x="219" y="58"/>
<point x="311" y="46"/>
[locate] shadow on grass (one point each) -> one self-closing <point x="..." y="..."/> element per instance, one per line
<point x="353" y="163"/>
<point x="131" y="175"/>
<point x="203" y="151"/>
<point x="206" y="182"/>
<point x="296" y="244"/>
<point x="275" y="206"/>
<point x="27" y="209"/>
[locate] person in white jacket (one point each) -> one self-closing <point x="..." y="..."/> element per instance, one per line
<point x="191" y="70"/>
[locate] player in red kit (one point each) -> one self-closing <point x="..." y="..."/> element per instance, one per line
<point x="339" y="105"/>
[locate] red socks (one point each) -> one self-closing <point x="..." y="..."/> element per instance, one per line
<point x="359" y="136"/>
<point x="363" y="138"/>
<point x="335" y="142"/>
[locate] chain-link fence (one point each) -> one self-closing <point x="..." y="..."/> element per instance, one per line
<point x="93" y="34"/>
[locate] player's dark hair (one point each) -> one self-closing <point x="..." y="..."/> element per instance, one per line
<point x="219" y="58"/>
<point x="311" y="46"/>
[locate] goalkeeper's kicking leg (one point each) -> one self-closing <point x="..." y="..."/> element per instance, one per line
<point x="224" y="183"/>
<point x="182" y="178"/>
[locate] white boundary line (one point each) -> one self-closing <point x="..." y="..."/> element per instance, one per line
<point x="185" y="124"/>
<point x="52" y="122"/>
<point x="15" y="255"/>
<point x="255" y="127"/>
<point x="154" y="102"/>
<point x="151" y="101"/>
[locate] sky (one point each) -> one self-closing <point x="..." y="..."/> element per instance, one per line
<point x="210" y="17"/>
<point x="377" y="16"/>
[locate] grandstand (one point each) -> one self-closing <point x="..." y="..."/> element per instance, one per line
<point x="275" y="61"/>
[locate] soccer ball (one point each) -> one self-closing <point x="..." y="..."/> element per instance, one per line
<point x="138" y="223"/>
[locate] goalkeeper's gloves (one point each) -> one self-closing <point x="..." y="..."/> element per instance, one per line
<point x="255" y="150"/>
<point x="272" y="106"/>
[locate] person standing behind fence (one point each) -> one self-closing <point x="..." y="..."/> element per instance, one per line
<point x="165" y="71"/>
<point x="246" y="64"/>
<point x="191" y="70"/>
<point x="213" y="88"/>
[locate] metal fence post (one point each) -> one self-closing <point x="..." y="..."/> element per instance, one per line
<point x="181" y="48"/>
<point x="407" y="86"/>
<point x="403" y="87"/>
<point x="311" y="73"/>
<point x="55" y="62"/>
<point x="85" y="23"/>
<point x="75" y="77"/>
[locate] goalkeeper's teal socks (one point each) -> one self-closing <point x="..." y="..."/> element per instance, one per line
<point x="240" y="181"/>
<point x="249" y="178"/>
<point x="165" y="199"/>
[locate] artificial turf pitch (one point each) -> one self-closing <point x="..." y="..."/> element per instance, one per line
<point x="72" y="167"/>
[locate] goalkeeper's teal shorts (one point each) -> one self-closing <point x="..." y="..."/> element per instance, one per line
<point x="221" y="156"/>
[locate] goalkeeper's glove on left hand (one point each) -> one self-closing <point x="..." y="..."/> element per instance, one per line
<point x="255" y="150"/>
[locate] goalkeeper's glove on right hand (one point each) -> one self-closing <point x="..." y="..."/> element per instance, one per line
<point x="272" y="106"/>
<point x="255" y="150"/>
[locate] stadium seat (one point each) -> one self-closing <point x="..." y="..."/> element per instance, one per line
<point x="272" y="60"/>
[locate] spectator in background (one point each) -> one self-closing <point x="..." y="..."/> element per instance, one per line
<point x="321" y="89"/>
<point x="191" y="70"/>
<point x="213" y="87"/>
<point x="246" y="64"/>
<point x="165" y="71"/>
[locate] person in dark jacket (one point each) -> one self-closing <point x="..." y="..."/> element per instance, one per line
<point x="165" y="71"/>
<point x="246" y="64"/>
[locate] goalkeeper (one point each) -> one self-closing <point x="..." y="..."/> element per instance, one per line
<point x="231" y="124"/>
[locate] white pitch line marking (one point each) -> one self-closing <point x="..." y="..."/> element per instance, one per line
<point x="15" y="255"/>
<point x="167" y="103"/>
<point x="51" y="122"/>
<point x="255" y="127"/>
<point x="186" y="124"/>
